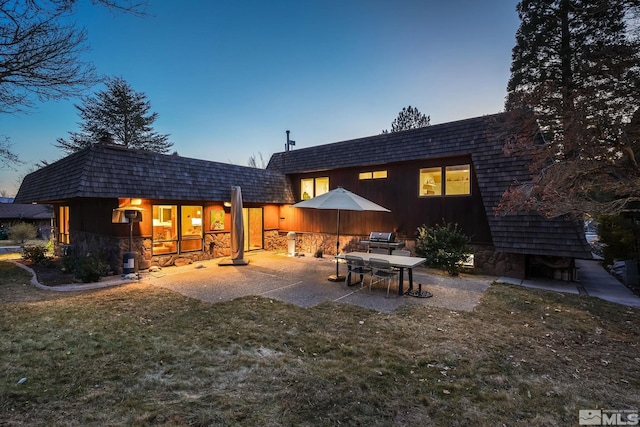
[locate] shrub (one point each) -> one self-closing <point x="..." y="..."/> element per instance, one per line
<point x="34" y="253"/>
<point x="620" y="236"/>
<point x="88" y="268"/>
<point x="444" y="246"/>
<point x="22" y="231"/>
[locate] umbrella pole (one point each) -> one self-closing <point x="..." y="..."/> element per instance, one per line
<point x="337" y="277"/>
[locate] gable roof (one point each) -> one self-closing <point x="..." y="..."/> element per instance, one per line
<point x="524" y="232"/>
<point x="107" y="171"/>
<point x="25" y="211"/>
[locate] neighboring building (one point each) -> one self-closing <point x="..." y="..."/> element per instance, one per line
<point x="454" y="172"/>
<point x="38" y="215"/>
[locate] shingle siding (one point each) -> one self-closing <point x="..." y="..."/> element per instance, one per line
<point x="525" y="233"/>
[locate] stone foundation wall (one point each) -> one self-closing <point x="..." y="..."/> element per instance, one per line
<point x="106" y="248"/>
<point x="218" y="245"/>
<point x="488" y="261"/>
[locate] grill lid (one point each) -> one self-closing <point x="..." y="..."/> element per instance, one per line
<point x="381" y="236"/>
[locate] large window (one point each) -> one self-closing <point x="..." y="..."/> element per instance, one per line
<point x="457" y="181"/>
<point x="191" y="228"/>
<point x="165" y="229"/>
<point x="63" y="225"/>
<point x="171" y="232"/>
<point x="430" y="182"/>
<point x="313" y="187"/>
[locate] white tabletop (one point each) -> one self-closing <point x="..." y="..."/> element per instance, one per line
<point x="394" y="260"/>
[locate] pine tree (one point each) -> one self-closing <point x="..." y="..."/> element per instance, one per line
<point x="575" y="78"/>
<point x="121" y="113"/>
<point x="409" y="118"/>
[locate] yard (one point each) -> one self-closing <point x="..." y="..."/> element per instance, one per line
<point x="142" y="355"/>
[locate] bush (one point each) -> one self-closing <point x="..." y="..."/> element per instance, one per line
<point x="620" y="237"/>
<point x="444" y="246"/>
<point x="88" y="268"/>
<point x="22" y="231"/>
<point x="34" y="253"/>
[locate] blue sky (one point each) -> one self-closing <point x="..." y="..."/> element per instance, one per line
<point x="229" y="77"/>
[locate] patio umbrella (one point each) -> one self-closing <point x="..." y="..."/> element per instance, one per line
<point x="237" y="230"/>
<point x="340" y="199"/>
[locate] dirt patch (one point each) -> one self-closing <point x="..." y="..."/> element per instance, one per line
<point x="50" y="273"/>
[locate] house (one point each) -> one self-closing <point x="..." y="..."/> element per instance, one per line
<point x="38" y="215"/>
<point x="181" y="200"/>
<point x="454" y="172"/>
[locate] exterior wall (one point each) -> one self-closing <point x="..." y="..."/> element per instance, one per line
<point x="399" y="192"/>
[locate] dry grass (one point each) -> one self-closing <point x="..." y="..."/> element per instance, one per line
<point x="140" y="355"/>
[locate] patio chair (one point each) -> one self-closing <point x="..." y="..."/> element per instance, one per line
<point x="355" y="265"/>
<point x="381" y="270"/>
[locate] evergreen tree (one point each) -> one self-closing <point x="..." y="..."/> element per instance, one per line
<point x="122" y="114"/>
<point x="409" y="118"/>
<point x="573" y="93"/>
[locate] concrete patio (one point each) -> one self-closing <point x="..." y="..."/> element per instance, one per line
<point x="303" y="281"/>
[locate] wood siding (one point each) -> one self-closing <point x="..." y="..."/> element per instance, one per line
<point x="398" y="193"/>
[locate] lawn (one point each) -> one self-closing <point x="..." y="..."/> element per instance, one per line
<point x="141" y="355"/>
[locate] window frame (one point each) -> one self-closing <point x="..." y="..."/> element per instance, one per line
<point x="64" y="236"/>
<point x="448" y="183"/>
<point x="445" y="185"/>
<point x="436" y="184"/>
<point x="314" y="186"/>
<point x="161" y="220"/>
<point x="186" y="241"/>
<point x="373" y="174"/>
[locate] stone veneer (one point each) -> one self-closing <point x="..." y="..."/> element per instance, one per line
<point x="217" y="245"/>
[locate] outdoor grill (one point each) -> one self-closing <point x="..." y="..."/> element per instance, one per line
<point x="382" y="240"/>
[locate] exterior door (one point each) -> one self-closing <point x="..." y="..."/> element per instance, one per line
<point x="253" y="228"/>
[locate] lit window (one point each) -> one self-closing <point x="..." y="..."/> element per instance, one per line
<point x="306" y="188"/>
<point x="313" y="187"/>
<point x="372" y="175"/>
<point x="191" y="228"/>
<point x="322" y="186"/>
<point x="430" y="182"/>
<point x="63" y="225"/>
<point x="165" y="229"/>
<point x="458" y="180"/>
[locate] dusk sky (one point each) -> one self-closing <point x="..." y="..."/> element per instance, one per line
<point x="228" y="78"/>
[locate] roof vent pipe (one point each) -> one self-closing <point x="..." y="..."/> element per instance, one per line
<point x="287" y="147"/>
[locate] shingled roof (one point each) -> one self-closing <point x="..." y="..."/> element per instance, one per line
<point x="524" y="232"/>
<point x="24" y="211"/>
<point x="106" y="171"/>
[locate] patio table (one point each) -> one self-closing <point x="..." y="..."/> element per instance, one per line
<point x="398" y="261"/>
